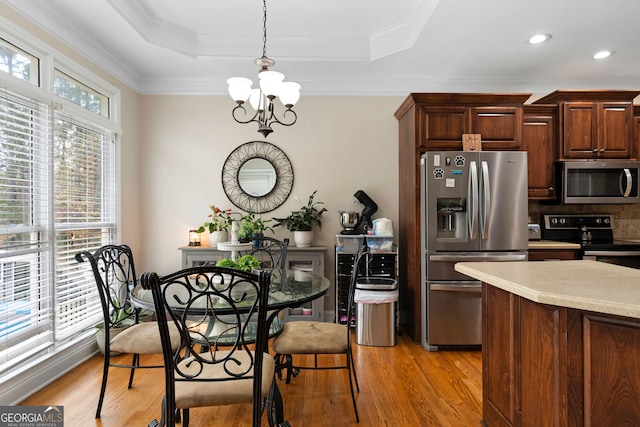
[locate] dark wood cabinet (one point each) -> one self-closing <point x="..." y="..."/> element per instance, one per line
<point x="500" y="127"/>
<point x="539" y="126"/>
<point x="500" y="376"/>
<point x="636" y="127"/>
<point x="598" y="130"/>
<point x="442" y="127"/>
<point x="595" y="124"/>
<point x="436" y="121"/>
<point x="545" y="365"/>
<point x="611" y="384"/>
<point x="553" y="254"/>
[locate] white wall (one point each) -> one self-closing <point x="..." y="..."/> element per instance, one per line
<point x="173" y="149"/>
<point x="338" y="146"/>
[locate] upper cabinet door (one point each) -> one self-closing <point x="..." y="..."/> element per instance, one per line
<point x="595" y="124"/>
<point x="615" y="133"/>
<point x="499" y="127"/>
<point x="441" y="128"/>
<point x="539" y="141"/>
<point x="598" y="130"/>
<point x="579" y="130"/>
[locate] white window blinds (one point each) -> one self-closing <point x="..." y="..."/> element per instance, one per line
<point x="26" y="304"/>
<point x="57" y="197"/>
<point x="85" y="217"/>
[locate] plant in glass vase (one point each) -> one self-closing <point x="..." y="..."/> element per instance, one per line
<point x="218" y="225"/>
<point x="302" y="221"/>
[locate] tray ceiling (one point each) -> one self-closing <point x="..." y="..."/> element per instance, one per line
<point x="353" y="47"/>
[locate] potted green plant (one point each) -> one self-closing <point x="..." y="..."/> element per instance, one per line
<point x="217" y="225"/>
<point x="252" y="226"/>
<point x="302" y="221"/>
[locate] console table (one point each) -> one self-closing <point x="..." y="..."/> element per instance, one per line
<point x="304" y="259"/>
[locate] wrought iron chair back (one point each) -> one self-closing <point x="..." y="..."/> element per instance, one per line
<point x="204" y="303"/>
<point x="115" y="276"/>
<point x="271" y="252"/>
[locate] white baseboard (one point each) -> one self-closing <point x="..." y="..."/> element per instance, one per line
<point x="43" y="372"/>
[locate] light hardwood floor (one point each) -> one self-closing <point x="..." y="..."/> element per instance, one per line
<point x="403" y="385"/>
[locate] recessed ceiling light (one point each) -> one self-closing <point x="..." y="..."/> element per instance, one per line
<point x="603" y="54"/>
<point x="538" y="38"/>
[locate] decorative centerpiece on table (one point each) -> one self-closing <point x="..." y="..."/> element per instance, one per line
<point x="223" y="282"/>
<point x="218" y="225"/>
<point x="252" y="226"/>
<point x="303" y="221"/>
<point x="244" y="263"/>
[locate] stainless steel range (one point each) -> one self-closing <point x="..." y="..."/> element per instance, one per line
<point x="595" y="235"/>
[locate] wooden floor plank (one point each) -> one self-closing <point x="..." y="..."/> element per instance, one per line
<point x="404" y="385"/>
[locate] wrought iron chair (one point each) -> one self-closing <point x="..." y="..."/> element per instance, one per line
<point x="271" y="252"/>
<point x="321" y="338"/>
<point x="115" y="275"/>
<point x="208" y="304"/>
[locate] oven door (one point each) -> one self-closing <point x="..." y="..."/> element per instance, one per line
<point x="626" y="258"/>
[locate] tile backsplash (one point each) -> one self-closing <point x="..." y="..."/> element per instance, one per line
<point x="626" y="218"/>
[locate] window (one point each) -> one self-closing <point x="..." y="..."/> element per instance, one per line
<point x="80" y="94"/>
<point x="18" y="63"/>
<point x="57" y="197"/>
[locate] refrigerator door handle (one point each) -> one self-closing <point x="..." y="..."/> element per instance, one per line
<point x="457" y="288"/>
<point x="478" y="258"/>
<point x="485" y="212"/>
<point x="472" y="196"/>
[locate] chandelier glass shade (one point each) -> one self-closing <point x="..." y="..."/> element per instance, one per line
<point x="271" y="86"/>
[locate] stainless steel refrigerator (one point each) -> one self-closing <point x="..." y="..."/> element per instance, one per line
<point x="473" y="208"/>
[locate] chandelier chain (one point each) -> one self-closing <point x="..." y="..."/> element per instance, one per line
<point x="264" y="29"/>
<point x="265" y="112"/>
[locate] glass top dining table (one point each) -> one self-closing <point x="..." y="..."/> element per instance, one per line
<point x="288" y="289"/>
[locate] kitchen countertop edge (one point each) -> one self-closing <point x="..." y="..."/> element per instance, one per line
<point x="583" y="285"/>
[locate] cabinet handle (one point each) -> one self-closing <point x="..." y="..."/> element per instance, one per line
<point x="602" y="150"/>
<point x="550" y="188"/>
<point x="595" y="150"/>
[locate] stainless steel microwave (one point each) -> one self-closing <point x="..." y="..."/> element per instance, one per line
<point x="607" y="182"/>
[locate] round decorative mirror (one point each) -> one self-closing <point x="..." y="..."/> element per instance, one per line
<point x="257" y="177"/>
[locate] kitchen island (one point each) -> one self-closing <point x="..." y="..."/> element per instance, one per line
<point x="560" y="342"/>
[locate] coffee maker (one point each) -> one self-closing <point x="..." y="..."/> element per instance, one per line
<point x="354" y="223"/>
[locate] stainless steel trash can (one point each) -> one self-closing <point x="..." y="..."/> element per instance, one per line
<point x="376" y="301"/>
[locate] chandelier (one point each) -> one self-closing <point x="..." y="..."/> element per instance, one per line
<point x="271" y="86"/>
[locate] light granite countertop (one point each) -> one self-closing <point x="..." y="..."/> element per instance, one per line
<point x="585" y="285"/>
<point x="552" y="244"/>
